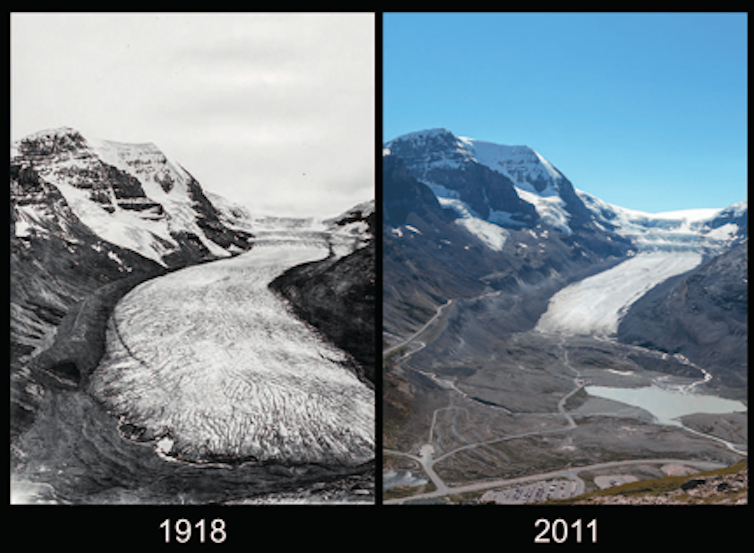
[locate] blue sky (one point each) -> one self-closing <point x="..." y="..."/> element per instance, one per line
<point x="646" y="111"/>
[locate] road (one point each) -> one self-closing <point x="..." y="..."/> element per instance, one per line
<point x="426" y="457"/>
<point x="416" y="334"/>
<point x="427" y="460"/>
<point x="572" y="473"/>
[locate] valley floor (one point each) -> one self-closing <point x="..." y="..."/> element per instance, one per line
<point x="489" y="412"/>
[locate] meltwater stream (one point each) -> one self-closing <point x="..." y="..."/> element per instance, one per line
<point x="210" y="365"/>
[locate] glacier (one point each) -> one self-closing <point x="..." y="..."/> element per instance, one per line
<point x="595" y="305"/>
<point x="212" y="365"/>
<point x="682" y="230"/>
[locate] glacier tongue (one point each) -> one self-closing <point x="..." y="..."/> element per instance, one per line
<point x="210" y="358"/>
<point x="596" y="304"/>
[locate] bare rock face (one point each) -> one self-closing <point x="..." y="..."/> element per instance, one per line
<point x="337" y="294"/>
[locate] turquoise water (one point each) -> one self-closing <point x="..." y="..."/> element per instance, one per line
<point x="667" y="405"/>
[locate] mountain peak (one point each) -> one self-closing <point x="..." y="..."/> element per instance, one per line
<point x="425" y="134"/>
<point x="51" y="141"/>
<point x="55" y="132"/>
<point x="439" y="147"/>
<point x="131" y="195"/>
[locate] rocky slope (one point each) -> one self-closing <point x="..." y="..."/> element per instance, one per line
<point x="340" y="288"/>
<point x="129" y="194"/>
<point x="438" y="247"/>
<point x="702" y="315"/>
<point x="728" y="486"/>
<point x="89" y="220"/>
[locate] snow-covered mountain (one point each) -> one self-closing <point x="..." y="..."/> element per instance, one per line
<point x="90" y="219"/>
<point x="494" y="187"/>
<point x="129" y="195"/>
<point x="511" y="186"/>
<point x="462" y="216"/>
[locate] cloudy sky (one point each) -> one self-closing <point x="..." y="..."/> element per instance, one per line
<point x="274" y="111"/>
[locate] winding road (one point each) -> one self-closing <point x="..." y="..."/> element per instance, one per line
<point x="427" y="459"/>
<point x="416" y="334"/>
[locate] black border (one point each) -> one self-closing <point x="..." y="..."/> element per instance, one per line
<point x="505" y="526"/>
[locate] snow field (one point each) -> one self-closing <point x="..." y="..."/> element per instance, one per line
<point x="212" y="358"/>
<point x="596" y="304"/>
<point x="492" y="235"/>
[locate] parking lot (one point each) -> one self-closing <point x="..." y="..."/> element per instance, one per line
<point x="531" y="493"/>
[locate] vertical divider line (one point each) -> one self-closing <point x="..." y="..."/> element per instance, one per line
<point x="378" y="141"/>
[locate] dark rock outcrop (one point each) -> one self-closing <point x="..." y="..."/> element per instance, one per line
<point x="337" y="296"/>
<point x="702" y="315"/>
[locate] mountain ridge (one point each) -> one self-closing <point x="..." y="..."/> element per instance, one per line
<point x="436" y="156"/>
<point x="129" y="194"/>
<point x="81" y="237"/>
<point x="447" y="235"/>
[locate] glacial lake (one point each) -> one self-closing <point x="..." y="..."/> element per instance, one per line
<point x="667" y="405"/>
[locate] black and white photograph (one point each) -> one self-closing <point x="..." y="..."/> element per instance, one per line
<point x="383" y="264"/>
<point x="192" y="293"/>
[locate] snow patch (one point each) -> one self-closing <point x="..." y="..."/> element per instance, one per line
<point x="492" y="235"/>
<point x="150" y="238"/>
<point x="521" y="164"/>
<point x="550" y="208"/>
<point x="441" y="191"/>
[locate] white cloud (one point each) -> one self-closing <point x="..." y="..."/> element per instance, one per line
<point x="276" y="111"/>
